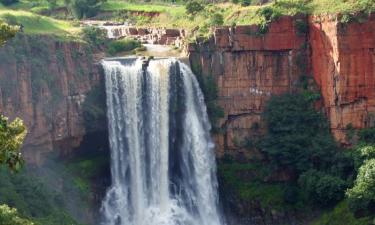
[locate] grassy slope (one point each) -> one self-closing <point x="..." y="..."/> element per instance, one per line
<point x="36" y="24"/>
<point x="175" y="16"/>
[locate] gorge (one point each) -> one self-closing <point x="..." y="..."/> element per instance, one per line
<point x="132" y="137"/>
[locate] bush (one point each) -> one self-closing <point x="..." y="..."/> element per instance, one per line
<point x="9" y="216"/>
<point x="298" y="137"/>
<point x="193" y="7"/>
<point x="322" y="188"/>
<point x="83" y="8"/>
<point x="361" y="197"/>
<point x="8" y="2"/>
<point x="216" y="19"/>
<point x="94" y="35"/>
<point x="367" y="135"/>
<point x="123" y="45"/>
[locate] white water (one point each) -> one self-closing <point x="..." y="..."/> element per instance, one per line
<point x="162" y="161"/>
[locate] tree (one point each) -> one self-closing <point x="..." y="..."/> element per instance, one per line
<point x="193" y="7"/>
<point x="11" y="138"/>
<point x="362" y="196"/>
<point x="6" y="32"/>
<point x="322" y="188"/>
<point x="83" y="8"/>
<point x="10" y="216"/>
<point x="298" y="136"/>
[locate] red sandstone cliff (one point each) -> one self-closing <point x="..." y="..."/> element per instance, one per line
<point x="343" y="65"/>
<point x="248" y="69"/>
<point x="45" y="82"/>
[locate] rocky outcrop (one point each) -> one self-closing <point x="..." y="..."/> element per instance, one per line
<point x="343" y="65"/>
<point x="160" y="36"/>
<point x="248" y="68"/>
<point x="46" y="83"/>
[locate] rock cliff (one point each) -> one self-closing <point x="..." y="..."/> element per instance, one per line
<point x="46" y="82"/>
<point x="343" y="65"/>
<point x="248" y="68"/>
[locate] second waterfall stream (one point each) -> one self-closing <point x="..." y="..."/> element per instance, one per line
<point x="162" y="159"/>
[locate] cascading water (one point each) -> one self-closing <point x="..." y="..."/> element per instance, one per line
<point x="162" y="161"/>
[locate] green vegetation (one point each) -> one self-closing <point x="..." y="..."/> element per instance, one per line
<point x="11" y="138"/>
<point x="255" y="189"/>
<point x="8" y="2"/>
<point x="362" y="195"/>
<point x="298" y="137"/>
<point x="124" y="45"/>
<point x="36" y="24"/>
<point x="340" y="215"/>
<point x="32" y="198"/>
<point x="94" y="36"/>
<point x="85" y="169"/>
<point x="324" y="189"/>
<point x="193" y="7"/>
<point x="9" y="216"/>
<point x="6" y="32"/>
<point x="83" y="8"/>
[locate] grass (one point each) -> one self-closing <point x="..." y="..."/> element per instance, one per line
<point x="37" y="24"/>
<point x="112" y="5"/>
<point x="341" y="215"/>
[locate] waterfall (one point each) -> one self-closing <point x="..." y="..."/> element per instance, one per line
<point x="162" y="160"/>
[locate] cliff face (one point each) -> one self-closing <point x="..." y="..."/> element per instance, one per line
<point x="343" y="65"/>
<point x="45" y="82"/>
<point x="248" y="68"/>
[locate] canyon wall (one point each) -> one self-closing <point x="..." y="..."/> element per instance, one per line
<point x="248" y="69"/>
<point x="50" y="84"/>
<point x="343" y="65"/>
<point x="337" y="58"/>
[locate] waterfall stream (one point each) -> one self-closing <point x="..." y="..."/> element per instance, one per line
<point x="162" y="160"/>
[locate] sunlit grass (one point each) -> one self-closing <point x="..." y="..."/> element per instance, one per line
<point x="37" y="24"/>
<point x="113" y="5"/>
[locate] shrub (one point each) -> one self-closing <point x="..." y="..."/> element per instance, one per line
<point x="298" y="137"/>
<point x="83" y="8"/>
<point x="361" y="197"/>
<point x="9" y="216"/>
<point x="193" y="7"/>
<point x="367" y="135"/>
<point x="123" y="45"/>
<point x="301" y="26"/>
<point x="8" y="2"/>
<point x="322" y="188"/>
<point x="216" y="19"/>
<point x="94" y="35"/>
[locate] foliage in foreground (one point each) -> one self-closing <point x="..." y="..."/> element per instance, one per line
<point x="362" y="196"/>
<point x="6" y="32"/>
<point x="10" y="216"/>
<point x="32" y="198"/>
<point x="11" y="138"/>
